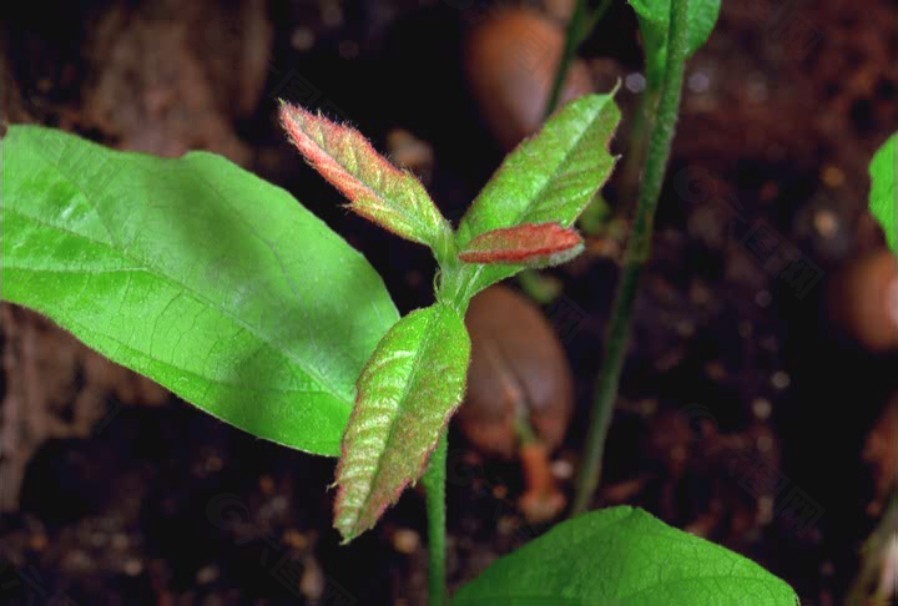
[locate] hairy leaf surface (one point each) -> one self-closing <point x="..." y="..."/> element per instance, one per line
<point x="196" y="273"/>
<point x="626" y="557"/>
<point x="406" y="395"/>
<point x="377" y="190"/>
<point x="549" y="178"/>
<point x="884" y="189"/>
<point x="533" y="245"/>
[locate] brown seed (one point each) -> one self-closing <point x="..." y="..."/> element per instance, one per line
<point x="510" y="61"/>
<point x="863" y="300"/>
<point x="518" y="368"/>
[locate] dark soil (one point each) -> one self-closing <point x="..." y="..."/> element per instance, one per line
<point x="744" y="409"/>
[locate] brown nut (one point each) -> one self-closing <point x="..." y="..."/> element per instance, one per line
<point x="510" y="61"/>
<point x="518" y="370"/>
<point x="863" y="300"/>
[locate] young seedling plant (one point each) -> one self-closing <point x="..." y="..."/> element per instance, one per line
<point x="227" y="291"/>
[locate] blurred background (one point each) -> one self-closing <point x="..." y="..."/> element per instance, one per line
<point x="759" y="405"/>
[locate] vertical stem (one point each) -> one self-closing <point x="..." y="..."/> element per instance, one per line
<point x="638" y="143"/>
<point x="567" y="55"/>
<point x="578" y="28"/>
<point x="435" y="487"/>
<point x="638" y="249"/>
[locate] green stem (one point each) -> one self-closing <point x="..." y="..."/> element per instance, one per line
<point x="435" y="486"/>
<point x="578" y="29"/>
<point x="638" y="249"/>
<point x="638" y="141"/>
<point x="593" y="20"/>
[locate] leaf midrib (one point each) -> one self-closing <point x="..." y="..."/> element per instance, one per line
<point x="552" y="177"/>
<point x="416" y="364"/>
<point x="412" y="219"/>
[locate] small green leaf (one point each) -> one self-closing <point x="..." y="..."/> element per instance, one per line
<point x="196" y="273"/>
<point x="377" y="190"/>
<point x="406" y="395"/>
<point x="884" y="189"/>
<point x="550" y="178"/>
<point x="540" y="245"/>
<point x="654" y="22"/>
<point x="624" y="557"/>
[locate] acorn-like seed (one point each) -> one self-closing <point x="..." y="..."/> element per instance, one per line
<point x="863" y="299"/>
<point x="518" y="370"/>
<point x="511" y="61"/>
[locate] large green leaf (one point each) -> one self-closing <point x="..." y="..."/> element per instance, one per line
<point x="654" y="22"/>
<point x="624" y="557"/>
<point x="406" y="395"/>
<point x="550" y="178"/>
<point x="194" y="272"/>
<point x="884" y="189"/>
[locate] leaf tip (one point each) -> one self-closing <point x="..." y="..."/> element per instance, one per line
<point x="615" y="89"/>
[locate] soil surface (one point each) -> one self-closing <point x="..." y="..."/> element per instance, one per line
<point x="744" y="407"/>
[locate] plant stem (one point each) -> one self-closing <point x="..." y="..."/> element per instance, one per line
<point x="638" y="249"/>
<point x="638" y="141"/>
<point x="435" y="487"/>
<point x="578" y="28"/>
<point x="593" y="20"/>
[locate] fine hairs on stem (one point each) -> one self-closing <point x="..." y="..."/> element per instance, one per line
<point x="638" y="249"/>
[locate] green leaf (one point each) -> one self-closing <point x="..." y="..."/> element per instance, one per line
<point x="550" y="178"/>
<point x="624" y="557"/>
<point x="406" y="395"/>
<point x="884" y="189"/>
<point x="654" y="22"/>
<point x="377" y="190"/>
<point x="194" y="272"/>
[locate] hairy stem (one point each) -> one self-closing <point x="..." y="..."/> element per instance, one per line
<point x="638" y="249"/>
<point x="435" y="486"/>
<point x="581" y="24"/>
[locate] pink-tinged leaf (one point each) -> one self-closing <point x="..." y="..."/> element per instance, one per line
<point x="377" y="190"/>
<point x="407" y="392"/>
<point x="534" y="245"/>
<point x="549" y="178"/>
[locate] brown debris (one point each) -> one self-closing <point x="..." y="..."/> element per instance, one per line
<point x="215" y="70"/>
<point x="55" y="388"/>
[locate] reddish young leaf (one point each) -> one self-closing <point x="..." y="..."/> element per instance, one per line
<point x="535" y="245"/>
<point x="377" y="190"/>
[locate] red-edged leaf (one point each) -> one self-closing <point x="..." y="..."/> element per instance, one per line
<point x="534" y="245"/>
<point x="406" y="395"/>
<point x="377" y="190"/>
<point x="549" y="178"/>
